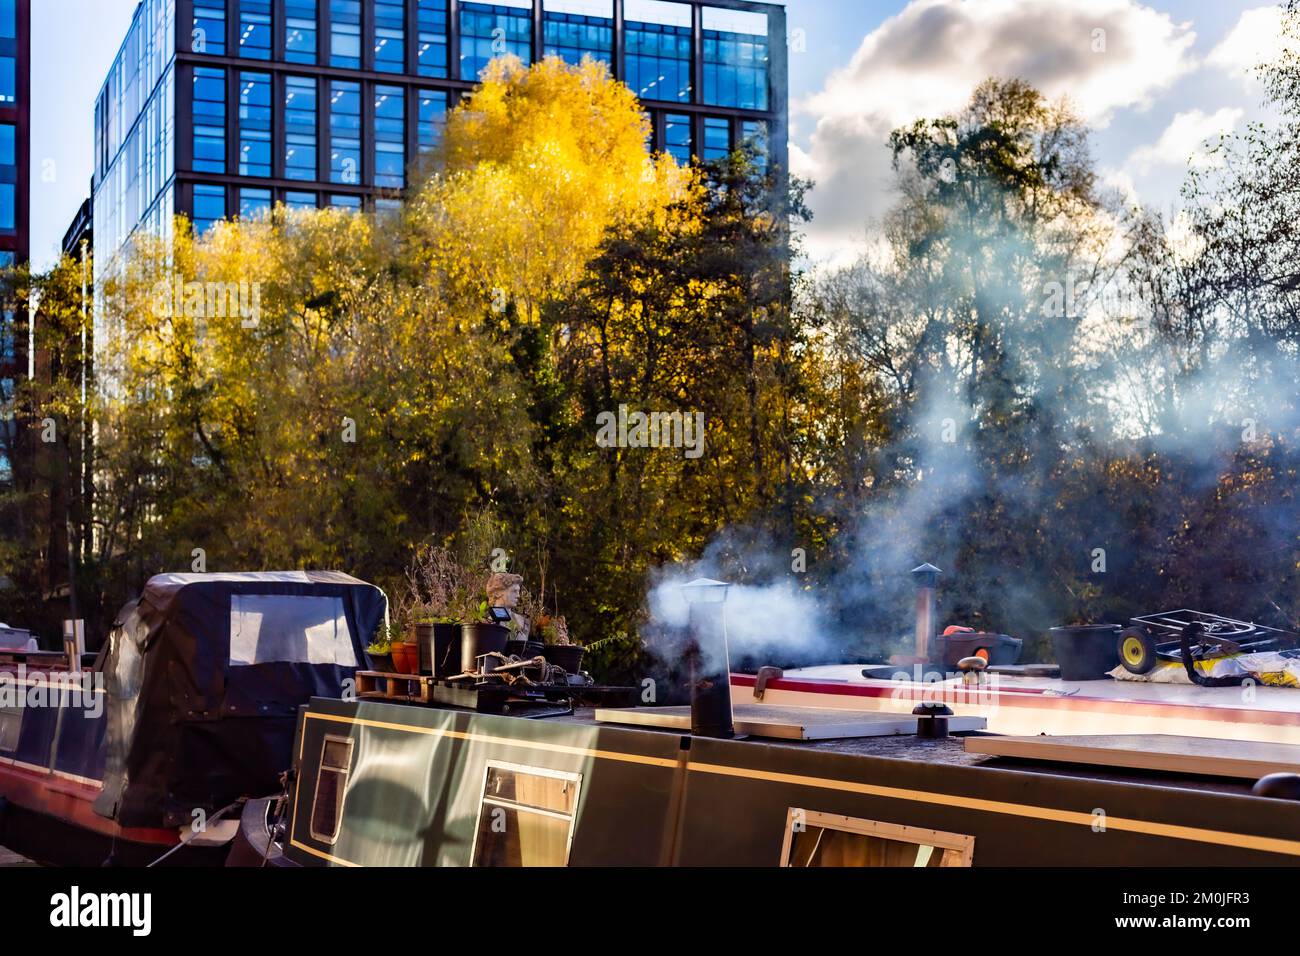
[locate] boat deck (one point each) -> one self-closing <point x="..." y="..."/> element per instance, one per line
<point x="1020" y="705"/>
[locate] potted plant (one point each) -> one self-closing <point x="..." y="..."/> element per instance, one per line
<point x="481" y="635"/>
<point x="405" y="649"/>
<point x="558" y="649"/>
<point x="379" y="654"/>
<point x="440" y="595"/>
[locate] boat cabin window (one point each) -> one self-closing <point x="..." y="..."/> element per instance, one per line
<point x="11" y="725"/>
<point x="830" y="840"/>
<point x="526" y="816"/>
<point x="331" y="788"/>
<point x="292" y="628"/>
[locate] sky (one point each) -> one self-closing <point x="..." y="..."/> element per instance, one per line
<point x="1154" y="80"/>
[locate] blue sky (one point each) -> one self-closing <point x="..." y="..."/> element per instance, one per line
<point x="1170" y="73"/>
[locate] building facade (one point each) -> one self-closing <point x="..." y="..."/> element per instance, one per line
<point x="222" y="108"/>
<point x="15" y="174"/>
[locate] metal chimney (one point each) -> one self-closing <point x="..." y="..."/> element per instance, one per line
<point x="926" y="577"/>
<point x="709" y="665"/>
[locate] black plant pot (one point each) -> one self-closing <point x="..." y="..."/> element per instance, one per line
<point x="439" y="649"/>
<point x="568" y="656"/>
<point x="1085" y="651"/>
<point x="476" y="639"/>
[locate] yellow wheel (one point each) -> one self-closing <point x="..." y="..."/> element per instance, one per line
<point x="1137" y="651"/>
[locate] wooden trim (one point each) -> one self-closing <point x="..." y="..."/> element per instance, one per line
<point x="962" y="845"/>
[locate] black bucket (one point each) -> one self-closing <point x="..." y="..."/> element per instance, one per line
<point x="1085" y="651"/>
<point x="476" y="639"/>
<point x="568" y="656"/>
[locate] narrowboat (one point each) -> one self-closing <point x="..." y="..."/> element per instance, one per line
<point x="189" y="708"/>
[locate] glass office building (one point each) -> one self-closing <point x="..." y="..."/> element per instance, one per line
<point x="15" y="134"/>
<point x="223" y="108"/>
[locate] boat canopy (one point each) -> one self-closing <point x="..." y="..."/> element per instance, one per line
<point x="204" y="676"/>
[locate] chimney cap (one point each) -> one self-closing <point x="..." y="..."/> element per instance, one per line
<point x="926" y="575"/>
<point x="705" y="591"/>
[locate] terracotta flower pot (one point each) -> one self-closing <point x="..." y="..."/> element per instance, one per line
<point x="406" y="658"/>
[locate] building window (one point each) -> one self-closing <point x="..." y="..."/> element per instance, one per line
<point x="390" y="36"/>
<point x="345" y="132"/>
<point x="296" y="200"/>
<point x="300" y="31"/>
<point x="7" y="150"/>
<point x="8" y="19"/>
<point x="7" y="199"/>
<point x="433" y="118"/>
<point x="388" y="206"/>
<point x="255" y="29"/>
<point x="209" y="120"/>
<point x="432" y="37"/>
<point x="754" y="134"/>
<point x="571" y="29"/>
<point x="209" y="207"/>
<point x="209" y="34"/>
<point x="830" y="840"/>
<point x="342" y="201"/>
<point x="390" y="137"/>
<point x="489" y="30"/>
<point x="300" y="128"/>
<point x="526" y="816"/>
<point x="8" y="80"/>
<point x="677" y="137"/>
<point x="255" y="124"/>
<point x="658" y="58"/>
<point x="254" y="203"/>
<point x="735" y="59"/>
<point x="331" y="788"/>
<point x="345" y="33"/>
<point x="717" y="138"/>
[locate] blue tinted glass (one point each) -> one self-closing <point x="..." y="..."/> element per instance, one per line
<point x="717" y="138"/>
<point x="254" y="202"/>
<point x="209" y="120"/>
<point x="7" y="152"/>
<point x="571" y="36"/>
<point x="431" y="38"/>
<point x="209" y="32"/>
<point x="491" y="30"/>
<point x="300" y="128"/>
<point x="8" y="19"/>
<point x="754" y="132"/>
<point x="255" y="29"/>
<point x="7" y="196"/>
<point x="658" y="61"/>
<point x="254" y="124"/>
<point x="345" y="33"/>
<point x="300" y="31"/>
<point x="209" y="206"/>
<point x="345" y="132"/>
<point x="735" y="70"/>
<point x="390" y="36"/>
<point x="390" y="137"/>
<point x="345" y="202"/>
<point x="677" y="136"/>
<point x="300" y="200"/>
<point x="8" y="80"/>
<point x="433" y="118"/>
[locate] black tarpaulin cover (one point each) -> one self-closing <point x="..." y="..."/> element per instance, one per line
<point x="205" y="674"/>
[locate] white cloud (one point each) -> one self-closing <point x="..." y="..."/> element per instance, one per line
<point x="926" y="60"/>
<point x="1187" y="140"/>
<point x="1255" y="38"/>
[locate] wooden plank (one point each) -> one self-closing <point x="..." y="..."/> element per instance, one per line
<point x="786" y="723"/>
<point x="1206" y="756"/>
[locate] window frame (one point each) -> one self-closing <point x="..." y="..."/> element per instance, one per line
<point x="962" y="845"/>
<point x="573" y="776"/>
<point x="346" y="773"/>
